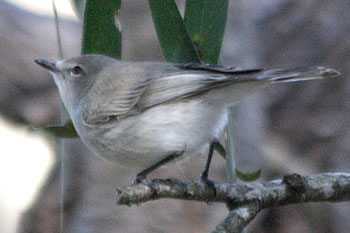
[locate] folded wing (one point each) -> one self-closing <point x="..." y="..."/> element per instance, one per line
<point x="119" y="101"/>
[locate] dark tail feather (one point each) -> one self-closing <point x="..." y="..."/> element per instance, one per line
<point x="301" y="74"/>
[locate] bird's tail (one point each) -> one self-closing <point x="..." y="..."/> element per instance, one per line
<point x="298" y="74"/>
<point x="256" y="79"/>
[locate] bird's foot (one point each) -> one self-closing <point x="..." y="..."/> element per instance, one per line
<point x="141" y="179"/>
<point x="211" y="184"/>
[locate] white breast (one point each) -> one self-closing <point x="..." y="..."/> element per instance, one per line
<point x="143" y="140"/>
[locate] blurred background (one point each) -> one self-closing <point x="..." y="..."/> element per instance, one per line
<point x="296" y="127"/>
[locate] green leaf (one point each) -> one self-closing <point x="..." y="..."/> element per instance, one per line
<point x="248" y="176"/>
<point x="174" y="40"/>
<point x="205" y="21"/>
<point x="65" y="131"/>
<point x="78" y="7"/>
<point x="100" y="30"/>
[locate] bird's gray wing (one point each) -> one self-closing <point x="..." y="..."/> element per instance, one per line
<point x="111" y="98"/>
<point x="155" y="85"/>
<point x="191" y="79"/>
<point x="195" y="79"/>
<point x="180" y="85"/>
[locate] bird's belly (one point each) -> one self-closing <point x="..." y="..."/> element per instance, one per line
<point x="145" y="139"/>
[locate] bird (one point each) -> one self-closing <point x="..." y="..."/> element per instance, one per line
<point x="147" y="114"/>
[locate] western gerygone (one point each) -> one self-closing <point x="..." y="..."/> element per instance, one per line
<point x="145" y="114"/>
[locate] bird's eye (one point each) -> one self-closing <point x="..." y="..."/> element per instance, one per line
<point x="76" y="71"/>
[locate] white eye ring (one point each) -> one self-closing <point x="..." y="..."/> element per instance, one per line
<point x="76" y="71"/>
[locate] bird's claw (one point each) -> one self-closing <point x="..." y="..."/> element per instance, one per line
<point x="141" y="179"/>
<point x="211" y="184"/>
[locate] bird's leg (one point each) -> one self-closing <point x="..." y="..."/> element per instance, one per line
<point x="205" y="173"/>
<point x="142" y="175"/>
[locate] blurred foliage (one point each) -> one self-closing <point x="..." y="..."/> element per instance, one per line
<point x="100" y="28"/>
<point x="58" y="34"/>
<point x="172" y="34"/>
<point x="65" y="131"/>
<point x="78" y="7"/>
<point x="248" y="176"/>
<point x="205" y="21"/>
<point x="196" y="38"/>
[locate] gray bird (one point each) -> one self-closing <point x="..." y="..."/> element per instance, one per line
<point x="146" y="114"/>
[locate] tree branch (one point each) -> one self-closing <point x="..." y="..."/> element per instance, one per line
<point x="238" y="219"/>
<point x="244" y="200"/>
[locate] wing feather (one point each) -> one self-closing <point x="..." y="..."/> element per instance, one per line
<point x="145" y="85"/>
<point x="178" y="85"/>
<point x="113" y="97"/>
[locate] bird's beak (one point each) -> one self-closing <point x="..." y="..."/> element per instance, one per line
<point x="51" y="66"/>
